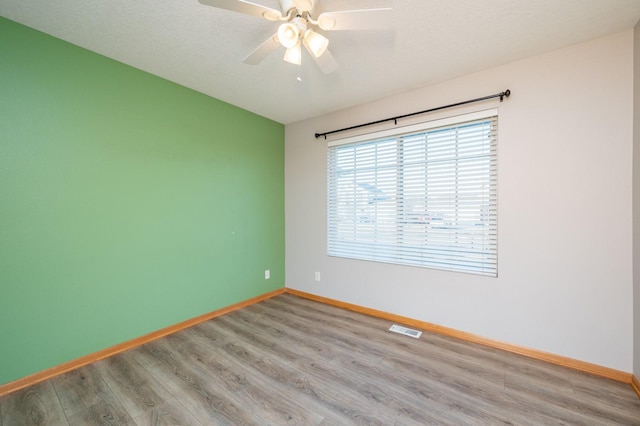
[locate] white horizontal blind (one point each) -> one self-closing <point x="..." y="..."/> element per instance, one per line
<point x="428" y="198"/>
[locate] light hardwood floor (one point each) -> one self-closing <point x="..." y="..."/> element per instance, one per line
<point x="291" y="361"/>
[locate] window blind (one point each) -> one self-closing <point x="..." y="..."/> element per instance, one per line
<point x="424" y="198"/>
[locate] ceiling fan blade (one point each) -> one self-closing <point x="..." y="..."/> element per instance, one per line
<point x="262" y="51"/>
<point x="248" y="8"/>
<point x="304" y="5"/>
<point x="366" y="19"/>
<point x="326" y="62"/>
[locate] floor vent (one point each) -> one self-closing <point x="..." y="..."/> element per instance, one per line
<point x="406" y="331"/>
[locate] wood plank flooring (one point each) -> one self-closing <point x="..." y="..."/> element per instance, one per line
<point x="291" y="361"/>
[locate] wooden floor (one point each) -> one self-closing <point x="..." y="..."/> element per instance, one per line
<point x="288" y="360"/>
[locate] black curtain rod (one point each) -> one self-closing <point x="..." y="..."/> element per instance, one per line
<point x="395" y="119"/>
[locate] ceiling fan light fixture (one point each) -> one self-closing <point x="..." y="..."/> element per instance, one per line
<point x="298" y="24"/>
<point x="288" y="34"/>
<point x="316" y="43"/>
<point x="293" y="55"/>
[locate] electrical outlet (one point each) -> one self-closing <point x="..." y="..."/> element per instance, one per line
<point x="267" y="274"/>
<point x="317" y="276"/>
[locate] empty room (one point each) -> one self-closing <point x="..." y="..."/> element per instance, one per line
<point x="319" y="212"/>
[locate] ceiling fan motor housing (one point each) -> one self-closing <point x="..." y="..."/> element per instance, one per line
<point x="299" y="5"/>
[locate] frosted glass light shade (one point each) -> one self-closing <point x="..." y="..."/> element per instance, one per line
<point x="293" y="55"/>
<point x="315" y="43"/>
<point x="288" y="35"/>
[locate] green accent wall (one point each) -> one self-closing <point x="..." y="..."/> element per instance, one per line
<point x="127" y="203"/>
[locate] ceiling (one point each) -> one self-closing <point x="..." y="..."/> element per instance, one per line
<point x="202" y="47"/>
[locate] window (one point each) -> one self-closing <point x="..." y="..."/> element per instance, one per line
<point x="425" y="195"/>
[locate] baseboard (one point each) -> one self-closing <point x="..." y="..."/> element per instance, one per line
<point x="105" y="353"/>
<point x="587" y="367"/>
<point x="635" y="384"/>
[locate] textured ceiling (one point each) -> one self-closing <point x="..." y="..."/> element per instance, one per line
<point x="202" y="47"/>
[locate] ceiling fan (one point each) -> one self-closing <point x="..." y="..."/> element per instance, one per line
<point x="300" y="28"/>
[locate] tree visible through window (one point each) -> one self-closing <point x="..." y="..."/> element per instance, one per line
<point x="427" y="198"/>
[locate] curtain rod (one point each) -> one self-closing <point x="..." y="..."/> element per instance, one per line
<point x="395" y="119"/>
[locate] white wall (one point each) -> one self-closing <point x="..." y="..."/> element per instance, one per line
<point x="636" y="203"/>
<point x="564" y="215"/>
